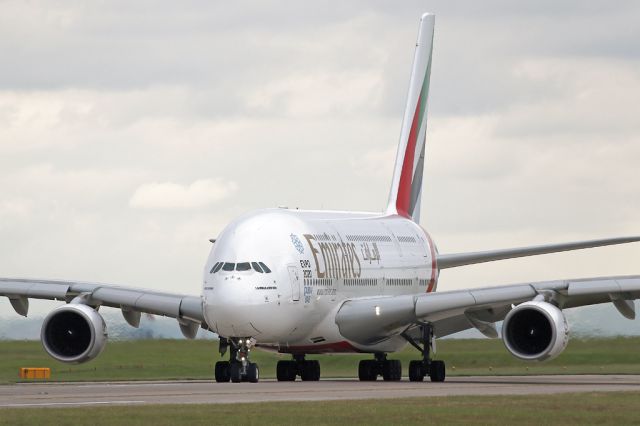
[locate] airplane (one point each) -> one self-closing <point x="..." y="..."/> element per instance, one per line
<point x="305" y="282"/>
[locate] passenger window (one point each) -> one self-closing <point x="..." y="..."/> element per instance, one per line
<point x="244" y="266"/>
<point x="217" y="267"/>
<point x="256" y="267"/>
<point x="229" y="266"/>
<point x="265" y="268"/>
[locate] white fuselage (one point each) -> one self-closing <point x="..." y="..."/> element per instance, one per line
<point x="318" y="260"/>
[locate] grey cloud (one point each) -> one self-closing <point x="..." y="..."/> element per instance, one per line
<point x="112" y="96"/>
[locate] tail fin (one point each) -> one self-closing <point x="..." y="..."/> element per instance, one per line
<point x="406" y="188"/>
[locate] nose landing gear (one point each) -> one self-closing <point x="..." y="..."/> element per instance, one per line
<point x="238" y="368"/>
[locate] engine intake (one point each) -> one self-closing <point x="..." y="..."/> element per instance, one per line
<point x="535" y="331"/>
<point x="74" y="333"/>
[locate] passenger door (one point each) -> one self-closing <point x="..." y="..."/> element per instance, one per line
<point x="294" y="277"/>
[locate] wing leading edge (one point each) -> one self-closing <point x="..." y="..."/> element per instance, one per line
<point x="131" y="301"/>
<point x="460" y="259"/>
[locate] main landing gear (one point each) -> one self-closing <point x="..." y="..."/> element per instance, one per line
<point x="418" y="370"/>
<point x="287" y="371"/>
<point x="238" y="368"/>
<point x="370" y="369"/>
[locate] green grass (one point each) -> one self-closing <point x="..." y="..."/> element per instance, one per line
<point x="584" y="408"/>
<point x="184" y="359"/>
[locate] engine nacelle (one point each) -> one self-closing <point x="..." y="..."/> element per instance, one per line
<point x="74" y="333"/>
<point x="535" y="331"/>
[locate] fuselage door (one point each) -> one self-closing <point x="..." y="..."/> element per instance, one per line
<point x="294" y="277"/>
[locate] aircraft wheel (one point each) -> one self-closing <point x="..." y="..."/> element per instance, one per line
<point x="253" y="373"/>
<point x="392" y="370"/>
<point x="286" y="371"/>
<point x="368" y="370"/>
<point x="415" y="371"/>
<point x="235" y="372"/>
<point x="222" y="372"/>
<point x="310" y="371"/>
<point x="437" y="371"/>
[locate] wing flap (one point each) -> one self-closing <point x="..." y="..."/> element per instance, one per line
<point x="34" y="288"/>
<point x="603" y="285"/>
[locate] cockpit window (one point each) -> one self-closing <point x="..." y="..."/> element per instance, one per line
<point x="244" y="266"/>
<point x="265" y="268"/>
<point x="216" y="268"/>
<point x="240" y="267"/>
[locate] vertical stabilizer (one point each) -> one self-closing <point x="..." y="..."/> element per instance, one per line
<point x="406" y="188"/>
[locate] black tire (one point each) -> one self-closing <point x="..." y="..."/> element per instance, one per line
<point x="253" y="373"/>
<point x="392" y="370"/>
<point x="286" y="371"/>
<point x="222" y="372"/>
<point x="415" y="371"/>
<point x="235" y="372"/>
<point x="310" y="371"/>
<point x="367" y="370"/>
<point x="437" y="371"/>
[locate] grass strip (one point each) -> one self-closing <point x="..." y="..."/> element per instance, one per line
<point x="184" y="359"/>
<point x="580" y="408"/>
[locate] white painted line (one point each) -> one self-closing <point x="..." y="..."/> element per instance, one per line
<point x="51" y="404"/>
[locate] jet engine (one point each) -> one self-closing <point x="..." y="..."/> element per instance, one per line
<point x="535" y="331"/>
<point x="74" y="333"/>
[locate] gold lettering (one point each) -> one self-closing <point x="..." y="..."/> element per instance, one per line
<point x="315" y="252"/>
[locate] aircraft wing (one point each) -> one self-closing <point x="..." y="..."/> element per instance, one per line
<point x="461" y="259"/>
<point x="132" y="302"/>
<point x="371" y="320"/>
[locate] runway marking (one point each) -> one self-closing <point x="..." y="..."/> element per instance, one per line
<point x="52" y="404"/>
<point x="209" y="392"/>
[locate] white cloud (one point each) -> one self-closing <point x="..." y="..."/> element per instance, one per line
<point x="168" y="195"/>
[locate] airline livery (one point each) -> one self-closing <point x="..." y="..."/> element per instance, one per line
<point x="312" y="282"/>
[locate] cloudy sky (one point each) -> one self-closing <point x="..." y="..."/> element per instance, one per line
<point x="131" y="132"/>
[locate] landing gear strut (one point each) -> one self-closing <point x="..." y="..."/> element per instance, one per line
<point x="286" y="371"/>
<point x="421" y="368"/>
<point x="238" y="368"/>
<point x="389" y="369"/>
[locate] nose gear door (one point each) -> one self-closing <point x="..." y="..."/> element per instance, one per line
<point x="294" y="277"/>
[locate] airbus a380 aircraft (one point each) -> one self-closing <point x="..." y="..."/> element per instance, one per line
<point x="311" y="282"/>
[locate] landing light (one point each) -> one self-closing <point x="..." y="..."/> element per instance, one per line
<point x="377" y="311"/>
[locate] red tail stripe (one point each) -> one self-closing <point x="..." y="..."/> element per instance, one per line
<point x="406" y="176"/>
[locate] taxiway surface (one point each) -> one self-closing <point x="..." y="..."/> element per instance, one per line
<point x="205" y="392"/>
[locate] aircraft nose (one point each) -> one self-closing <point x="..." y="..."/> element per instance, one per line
<point x="243" y="307"/>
